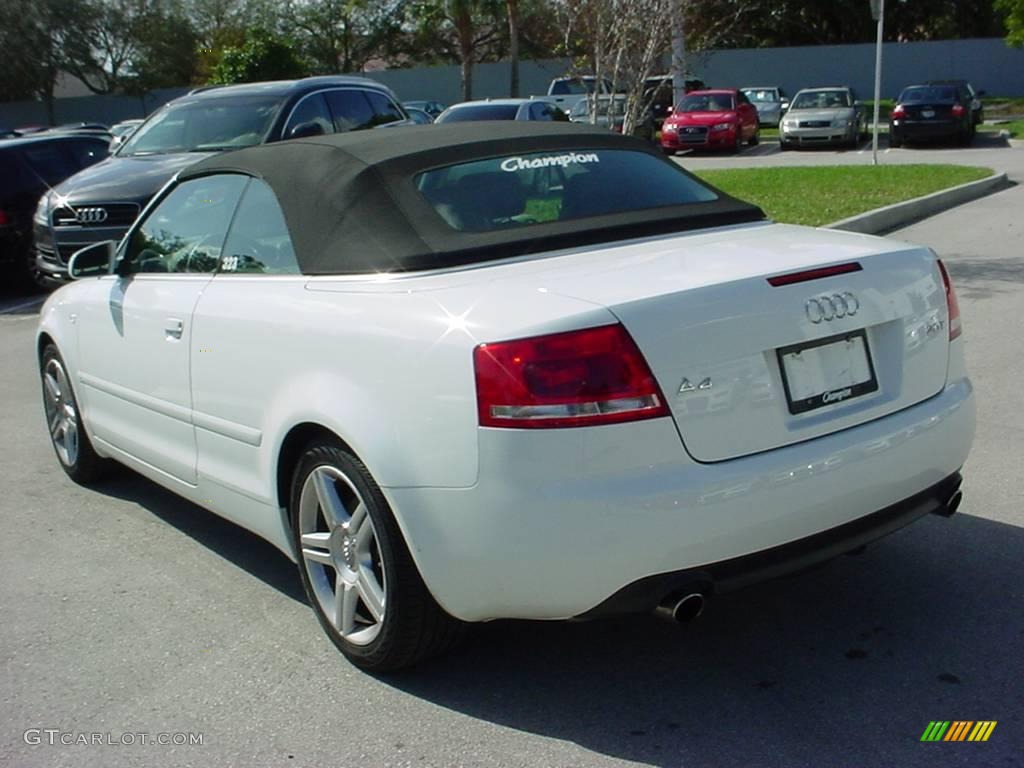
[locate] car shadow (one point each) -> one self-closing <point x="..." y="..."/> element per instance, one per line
<point x="845" y="665"/>
<point x="234" y="543"/>
<point x="981" y="140"/>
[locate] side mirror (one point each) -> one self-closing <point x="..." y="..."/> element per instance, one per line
<point x="92" y="261"/>
<point x="785" y="106"/>
<point x="858" y="103"/>
<point x="304" y="130"/>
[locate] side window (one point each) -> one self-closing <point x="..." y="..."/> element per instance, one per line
<point x="259" y="242"/>
<point x="351" y="110"/>
<point x="312" y="109"/>
<point x="185" y="231"/>
<point x="384" y="109"/>
<point x="49" y="161"/>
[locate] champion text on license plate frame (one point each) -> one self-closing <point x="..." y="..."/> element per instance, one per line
<point x="849" y="349"/>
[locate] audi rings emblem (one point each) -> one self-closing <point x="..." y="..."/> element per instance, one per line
<point x="830" y="307"/>
<point x="91" y="215"/>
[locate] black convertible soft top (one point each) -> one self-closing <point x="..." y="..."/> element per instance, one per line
<point x="352" y="206"/>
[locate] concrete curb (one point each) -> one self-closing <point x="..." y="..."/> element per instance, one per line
<point x="900" y="214"/>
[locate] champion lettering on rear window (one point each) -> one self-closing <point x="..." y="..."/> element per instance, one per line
<point x="516" y="191"/>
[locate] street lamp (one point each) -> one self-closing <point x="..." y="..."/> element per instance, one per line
<point x="877" y="13"/>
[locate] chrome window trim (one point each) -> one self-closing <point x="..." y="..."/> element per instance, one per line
<point x="327" y="89"/>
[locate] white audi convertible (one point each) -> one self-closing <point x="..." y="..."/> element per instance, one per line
<point x="490" y="371"/>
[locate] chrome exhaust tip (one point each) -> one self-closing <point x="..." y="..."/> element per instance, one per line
<point x="681" y="610"/>
<point x="951" y="506"/>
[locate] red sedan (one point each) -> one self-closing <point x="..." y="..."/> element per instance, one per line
<point x="713" y="119"/>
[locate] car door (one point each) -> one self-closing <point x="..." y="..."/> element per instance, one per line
<point x="135" y="330"/>
<point x="747" y="113"/>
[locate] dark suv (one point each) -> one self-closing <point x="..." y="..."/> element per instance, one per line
<point x="28" y="168"/>
<point x="101" y="202"/>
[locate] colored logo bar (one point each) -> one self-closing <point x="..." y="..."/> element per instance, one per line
<point x="958" y="730"/>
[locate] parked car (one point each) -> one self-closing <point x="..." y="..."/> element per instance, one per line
<point x="659" y="94"/>
<point x="610" y="113"/>
<point x="566" y="92"/>
<point x="503" y="109"/>
<point x="931" y="112"/>
<point x="712" y="119"/>
<point x="29" y="167"/>
<point x="123" y="130"/>
<point x="454" y="377"/>
<point x="977" y="108"/>
<point x="821" y="116"/>
<point x="208" y="120"/>
<point x="418" y="116"/>
<point x="432" y="108"/>
<point x="770" y="101"/>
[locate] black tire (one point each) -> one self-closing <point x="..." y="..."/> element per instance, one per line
<point x="413" y="626"/>
<point x="80" y="462"/>
<point x="784" y="146"/>
<point x="756" y="138"/>
<point x="895" y="141"/>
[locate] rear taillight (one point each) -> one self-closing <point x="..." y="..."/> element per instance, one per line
<point x="575" y="379"/>
<point x="898" y="111"/>
<point x="4" y="218"/>
<point x="958" y="110"/>
<point x="955" y="326"/>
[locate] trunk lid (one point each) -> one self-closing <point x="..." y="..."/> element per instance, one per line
<point x="730" y="350"/>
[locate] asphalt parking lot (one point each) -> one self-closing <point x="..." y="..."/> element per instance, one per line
<point x="127" y="610"/>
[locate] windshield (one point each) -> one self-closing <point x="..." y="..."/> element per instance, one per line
<point x="573" y="86"/>
<point x="481" y="112"/>
<point x="821" y="100"/>
<point x="206" y="125"/>
<point x="931" y="93"/>
<point x="706" y="102"/>
<point x="523" y="190"/>
<point x="762" y="95"/>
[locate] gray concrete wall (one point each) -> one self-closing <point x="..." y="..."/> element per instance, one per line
<point x="987" y="63"/>
<point x="444" y="83"/>
<point x="88" y="109"/>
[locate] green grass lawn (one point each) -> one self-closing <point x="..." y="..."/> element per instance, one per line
<point x="1015" y="127"/>
<point x="823" y="194"/>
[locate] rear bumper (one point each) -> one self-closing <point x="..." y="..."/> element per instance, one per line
<point x="927" y="129"/>
<point x="562" y="520"/>
<point x="725" y="576"/>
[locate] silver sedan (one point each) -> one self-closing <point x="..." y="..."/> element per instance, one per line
<point x="823" y="116"/>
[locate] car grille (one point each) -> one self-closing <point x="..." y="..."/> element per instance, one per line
<point x="693" y="134"/>
<point x="815" y="123"/>
<point x="102" y="215"/>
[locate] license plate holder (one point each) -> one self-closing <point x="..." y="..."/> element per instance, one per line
<point x="927" y="113"/>
<point x="826" y="371"/>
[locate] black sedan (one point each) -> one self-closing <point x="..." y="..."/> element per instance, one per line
<point x="29" y="167"/>
<point x="927" y="112"/>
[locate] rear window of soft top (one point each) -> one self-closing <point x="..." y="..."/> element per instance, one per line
<point x="541" y="187"/>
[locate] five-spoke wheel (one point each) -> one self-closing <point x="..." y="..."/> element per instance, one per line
<point x="356" y="569"/>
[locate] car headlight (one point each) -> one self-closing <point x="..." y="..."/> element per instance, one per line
<point x="840" y="122"/>
<point x="721" y="126"/>
<point x="45" y="205"/>
<point x="667" y="128"/>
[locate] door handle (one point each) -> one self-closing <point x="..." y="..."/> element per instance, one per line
<point x="174" y="328"/>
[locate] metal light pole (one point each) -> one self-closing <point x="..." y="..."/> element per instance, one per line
<point x="878" y="14"/>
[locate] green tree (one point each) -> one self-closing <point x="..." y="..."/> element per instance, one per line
<point x="343" y="35"/>
<point x="1014" y="10"/>
<point x="261" y="56"/>
<point x="460" y="31"/>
